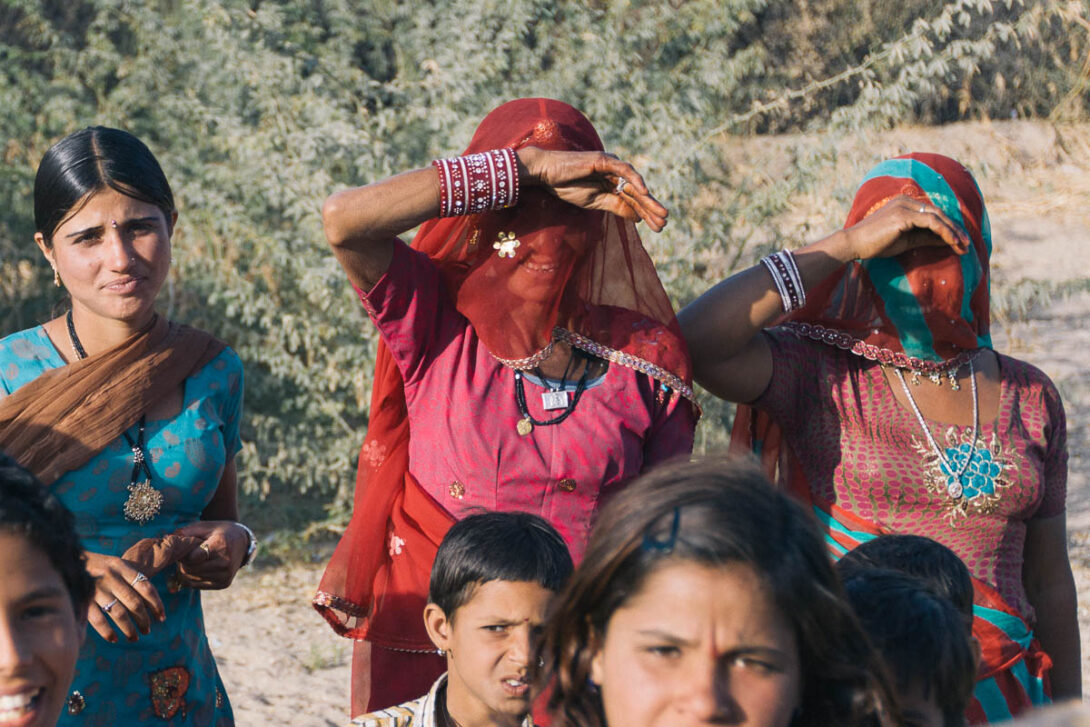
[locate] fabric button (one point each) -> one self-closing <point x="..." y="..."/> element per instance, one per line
<point x="457" y="490"/>
<point x="567" y="485"/>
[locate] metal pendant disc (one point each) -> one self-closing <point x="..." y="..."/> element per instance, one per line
<point x="525" y="426"/>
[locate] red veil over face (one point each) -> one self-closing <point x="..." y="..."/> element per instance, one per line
<point x="577" y="276"/>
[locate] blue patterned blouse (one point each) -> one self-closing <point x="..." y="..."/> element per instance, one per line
<point x="168" y="676"/>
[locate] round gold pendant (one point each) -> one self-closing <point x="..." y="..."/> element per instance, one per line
<point x="525" y="426"/>
<point x="143" y="503"/>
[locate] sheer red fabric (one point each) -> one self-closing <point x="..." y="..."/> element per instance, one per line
<point x="576" y="276"/>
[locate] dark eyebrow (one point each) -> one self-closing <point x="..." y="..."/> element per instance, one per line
<point x="43" y="593"/>
<point x="78" y="233"/>
<point x="664" y="636"/>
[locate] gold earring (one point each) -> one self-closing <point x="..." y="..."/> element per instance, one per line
<point x="56" y="278"/>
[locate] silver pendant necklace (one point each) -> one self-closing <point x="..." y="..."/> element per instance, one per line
<point x="954" y="488"/>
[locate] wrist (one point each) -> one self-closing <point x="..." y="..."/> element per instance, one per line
<point x="838" y="246"/>
<point x="528" y="157"/>
<point x="251" y="545"/>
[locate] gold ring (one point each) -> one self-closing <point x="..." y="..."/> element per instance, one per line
<point x="206" y="548"/>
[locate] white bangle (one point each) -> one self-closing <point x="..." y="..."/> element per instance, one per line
<point x="251" y="549"/>
<point x="785" y="274"/>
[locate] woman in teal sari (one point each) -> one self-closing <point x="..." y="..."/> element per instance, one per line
<point x="132" y="421"/>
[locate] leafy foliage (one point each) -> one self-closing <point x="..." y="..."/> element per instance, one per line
<point x="259" y="109"/>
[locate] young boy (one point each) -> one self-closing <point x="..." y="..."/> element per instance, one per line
<point x="492" y="579"/>
<point x="937" y="566"/>
<point x="923" y="640"/>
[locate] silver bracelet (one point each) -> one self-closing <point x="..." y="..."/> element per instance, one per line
<point x="251" y="549"/>
<point x="785" y="274"/>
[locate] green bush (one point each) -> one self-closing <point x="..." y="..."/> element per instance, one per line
<point x="259" y="110"/>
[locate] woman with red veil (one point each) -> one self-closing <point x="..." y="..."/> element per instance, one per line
<point x="530" y="360"/>
<point x="876" y="394"/>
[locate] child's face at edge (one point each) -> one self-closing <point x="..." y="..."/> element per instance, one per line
<point x="40" y="636"/>
<point x="488" y="643"/>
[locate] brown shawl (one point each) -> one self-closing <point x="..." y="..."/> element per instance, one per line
<point x="59" y="421"/>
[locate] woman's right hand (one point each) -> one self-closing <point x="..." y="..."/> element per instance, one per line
<point x="903" y="224"/>
<point x="590" y="179"/>
<point x="123" y="594"/>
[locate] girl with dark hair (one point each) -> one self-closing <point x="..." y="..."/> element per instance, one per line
<point x="707" y="597"/>
<point x="880" y="401"/>
<point x="44" y="594"/>
<point x="530" y="360"/>
<point x="133" y="422"/>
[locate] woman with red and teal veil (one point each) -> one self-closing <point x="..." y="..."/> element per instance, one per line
<point x="867" y="381"/>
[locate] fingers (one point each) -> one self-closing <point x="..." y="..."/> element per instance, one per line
<point x="97" y="618"/>
<point x="631" y="190"/>
<point x="930" y="217"/>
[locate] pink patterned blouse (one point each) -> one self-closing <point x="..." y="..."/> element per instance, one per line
<point x="864" y="451"/>
<point x="465" y="450"/>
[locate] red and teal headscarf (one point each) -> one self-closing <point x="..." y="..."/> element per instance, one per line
<point x="925" y="309"/>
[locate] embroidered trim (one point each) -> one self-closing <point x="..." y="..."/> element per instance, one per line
<point x="983" y="484"/>
<point x="532" y="360"/>
<point x="901" y="360"/>
<point x="328" y="600"/>
<point x="658" y="373"/>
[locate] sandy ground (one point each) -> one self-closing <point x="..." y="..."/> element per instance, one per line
<point x="283" y="665"/>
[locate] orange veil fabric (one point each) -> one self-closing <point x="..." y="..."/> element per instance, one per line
<point x="577" y="276"/>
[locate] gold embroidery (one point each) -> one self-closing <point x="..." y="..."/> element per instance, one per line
<point x="982" y="485"/>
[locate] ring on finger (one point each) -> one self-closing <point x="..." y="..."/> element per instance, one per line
<point x="206" y="548"/>
<point x="923" y="208"/>
<point x="140" y="578"/>
<point x="621" y="184"/>
<point x="108" y="606"/>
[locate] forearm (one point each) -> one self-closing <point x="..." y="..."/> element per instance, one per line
<point x="1058" y="631"/>
<point x="719" y="323"/>
<point x="358" y="218"/>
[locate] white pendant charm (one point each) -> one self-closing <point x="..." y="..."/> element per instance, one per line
<point x="954" y="489"/>
<point x="552" y="400"/>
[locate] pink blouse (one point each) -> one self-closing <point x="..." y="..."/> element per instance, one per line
<point x="465" y="450"/>
<point x="861" y="449"/>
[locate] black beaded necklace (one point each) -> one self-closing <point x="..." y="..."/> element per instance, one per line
<point x="527" y="423"/>
<point x="144" y="500"/>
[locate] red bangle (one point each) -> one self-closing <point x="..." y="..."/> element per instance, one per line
<point x="476" y="183"/>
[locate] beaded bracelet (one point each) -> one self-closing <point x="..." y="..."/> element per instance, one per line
<point x="476" y="183"/>
<point x="785" y="274"/>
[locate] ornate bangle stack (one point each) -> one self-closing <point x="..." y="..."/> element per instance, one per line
<point x="478" y="183"/>
<point x="785" y="274"/>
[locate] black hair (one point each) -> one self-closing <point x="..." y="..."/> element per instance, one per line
<point x="921" y="636"/>
<point x="496" y="546"/>
<point x="714" y="513"/>
<point x="932" y="562"/>
<point x="88" y="161"/>
<point x="29" y="510"/>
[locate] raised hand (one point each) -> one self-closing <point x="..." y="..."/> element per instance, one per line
<point x="593" y="180"/>
<point x="904" y="224"/>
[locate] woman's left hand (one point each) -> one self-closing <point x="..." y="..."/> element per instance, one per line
<point x="213" y="564"/>
<point x="593" y="180"/>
